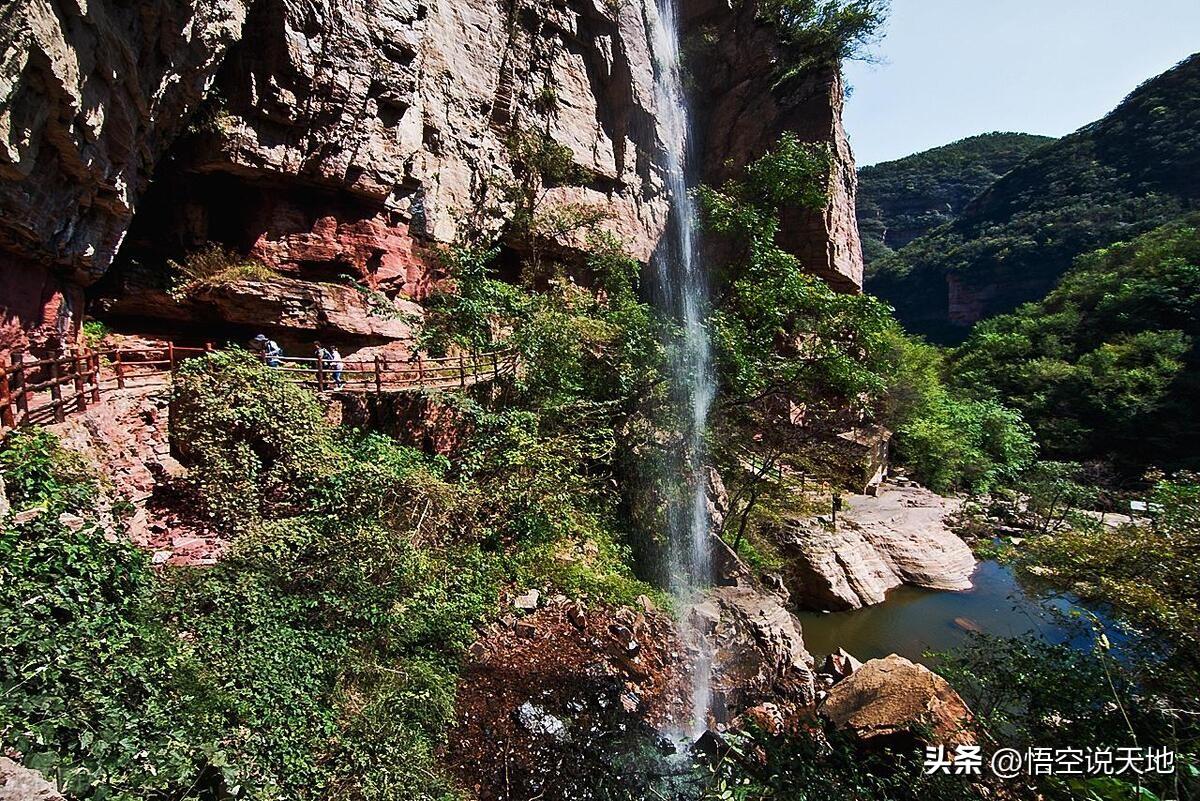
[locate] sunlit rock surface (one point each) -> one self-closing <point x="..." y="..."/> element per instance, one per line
<point x="892" y="699"/>
<point x="898" y="537"/>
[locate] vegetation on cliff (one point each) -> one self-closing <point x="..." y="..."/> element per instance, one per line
<point x="901" y="200"/>
<point x="319" y="658"/>
<point x="1130" y="172"/>
<point x="785" y="338"/>
<point x="320" y="654"/>
<point x="816" y="34"/>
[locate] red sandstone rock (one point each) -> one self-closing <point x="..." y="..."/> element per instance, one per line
<point x="742" y="114"/>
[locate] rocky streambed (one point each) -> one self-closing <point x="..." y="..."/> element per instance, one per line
<point x="559" y="700"/>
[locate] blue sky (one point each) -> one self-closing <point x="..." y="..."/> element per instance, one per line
<point x="953" y="68"/>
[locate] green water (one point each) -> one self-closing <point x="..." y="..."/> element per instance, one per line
<point x="912" y="621"/>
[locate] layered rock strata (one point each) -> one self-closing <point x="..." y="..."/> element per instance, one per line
<point x="339" y="143"/>
<point x="898" y="537"/>
<point x="324" y="139"/>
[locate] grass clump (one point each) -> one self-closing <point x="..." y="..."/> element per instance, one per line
<point x="212" y="267"/>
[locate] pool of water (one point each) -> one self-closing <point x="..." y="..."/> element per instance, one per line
<point x="912" y="621"/>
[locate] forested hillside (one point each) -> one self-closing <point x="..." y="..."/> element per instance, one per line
<point x="1130" y="172"/>
<point x="1106" y="365"/>
<point x="901" y="200"/>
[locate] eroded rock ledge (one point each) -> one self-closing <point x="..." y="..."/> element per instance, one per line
<point x="335" y="140"/>
<point x="898" y="537"/>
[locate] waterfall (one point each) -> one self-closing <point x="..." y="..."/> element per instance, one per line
<point x="683" y="288"/>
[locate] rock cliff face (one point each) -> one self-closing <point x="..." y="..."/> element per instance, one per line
<point x="733" y="59"/>
<point x="339" y="142"/>
<point x="91" y="96"/>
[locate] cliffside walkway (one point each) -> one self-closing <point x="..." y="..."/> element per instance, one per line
<point x="45" y="391"/>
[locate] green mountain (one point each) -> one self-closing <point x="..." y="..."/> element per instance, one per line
<point x="901" y="200"/>
<point x="1132" y="171"/>
<point x="1106" y="365"/>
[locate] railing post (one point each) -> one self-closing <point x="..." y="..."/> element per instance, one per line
<point x="420" y="370"/>
<point x="56" y="391"/>
<point x="475" y="365"/>
<point x="462" y="372"/>
<point x="18" y="361"/>
<point x="80" y="387"/>
<point x="378" y="374"/>
<point x="94" y="359"/>
<point x="320" y="372"/>
<point x="170" y="357"/>
<point x="495" y="366"/>
<point x="7" y="418"/>
<point x="120" y="371"/>
<point x="208" y="347"/>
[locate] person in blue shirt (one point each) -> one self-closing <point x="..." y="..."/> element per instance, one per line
<point x="271" y="352"/>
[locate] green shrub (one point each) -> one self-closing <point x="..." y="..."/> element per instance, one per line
<point x="814" y="766"/>
<point x="318" y="659"/>
<point x="1147" y="572"/>
<point x="469" y="314"/>
<point x="94" y="333"/>
<point x="1106" y="365"/>
<point x="257" y="443"/>
<point x="94" y="690"/>
<point x="1026" y="693"/>
<point x="337" y="646"/>
<point x="778" y="332"/>
<point x="959" y="443"/>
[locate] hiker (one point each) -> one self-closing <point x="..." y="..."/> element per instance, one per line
<point x="335" y="361"/>
<point x="271" y="352"/>
<point x="331" y="360"/>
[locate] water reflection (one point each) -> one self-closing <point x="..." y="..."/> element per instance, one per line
<point x="912" y="621"/>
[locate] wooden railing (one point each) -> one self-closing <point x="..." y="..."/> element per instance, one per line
<point x="382" y="374"/>
<point x="47" y="390"/>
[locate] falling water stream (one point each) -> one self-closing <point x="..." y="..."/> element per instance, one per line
<point x="683" y="288"/>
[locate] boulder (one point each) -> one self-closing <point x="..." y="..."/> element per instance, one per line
<point x="728" y="568"/>
<point x="758" y="653"/>
<point x="527" y="602"/>
<point x="18" y="783"/>
<point x="28" y="515"/>
<point x="840" y="665"/>
<point x="539" y="722"/>
<point x="577" y="614"/>
<point x="894" y="700"/>
<point x="898" y="537"/>
<point x="704" y="616"/>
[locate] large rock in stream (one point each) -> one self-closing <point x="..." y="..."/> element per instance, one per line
<point x="897" y="537"/>
<point x="758" y="652"/>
